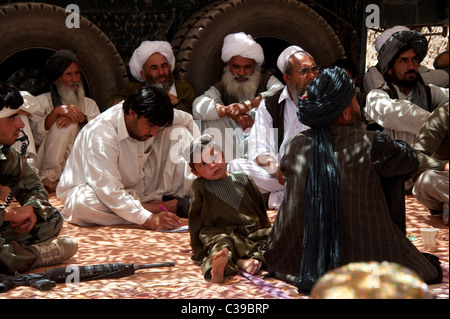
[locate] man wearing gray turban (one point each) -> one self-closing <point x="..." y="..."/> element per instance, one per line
<point x="227" y="108"/>
<point x="335" y="192"/>
<point x="61" y="114"/>
<point x="373" y="78"/>
<point x="403" y="102"/>
<point x="153" y="63"/>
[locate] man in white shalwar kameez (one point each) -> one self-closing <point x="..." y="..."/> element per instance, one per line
<point x="62" y="113"/>
<point x="124" y="162"/>
<point x="227" y="109"/>
<point x="267" y="140"/>
<point x="402" y="103"/>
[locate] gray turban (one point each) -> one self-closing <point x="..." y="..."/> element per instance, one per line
<point x="144" y="51"/>
<point x="395" y="41"/>
<point x="243" y="45"/>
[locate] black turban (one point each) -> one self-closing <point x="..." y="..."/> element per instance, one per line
<point x="327" y="96"/>
<point x="59" y="62"/>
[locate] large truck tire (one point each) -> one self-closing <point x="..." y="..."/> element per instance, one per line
<point x="37" y="25"/>
<point x="198" y="58"/>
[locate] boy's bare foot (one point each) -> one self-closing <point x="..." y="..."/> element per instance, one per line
<point x="250" y="266"/>
<point x="218" y="265"/>
<point x="49" y="185"/>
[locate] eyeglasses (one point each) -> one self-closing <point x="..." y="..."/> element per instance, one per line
<point x="314" y="69"/>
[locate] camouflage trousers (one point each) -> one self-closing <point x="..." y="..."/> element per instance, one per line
<point x="16" y="253"/>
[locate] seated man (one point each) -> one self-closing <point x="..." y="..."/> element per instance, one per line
<point x="153" y="63"/>
<point x="226" y="109"/>
<point x="374" y="79"/>
<point x="29" y="232"/>
<point x="62" y="113"/>
<point x="276" y="123"/>
<point x="431" y="145"/>
<point x="335" y="210"/>
<point x="126" y="160"/>
<point x="404" y="101"/>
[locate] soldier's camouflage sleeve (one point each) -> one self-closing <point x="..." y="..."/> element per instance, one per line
<point x="24" y="183"/>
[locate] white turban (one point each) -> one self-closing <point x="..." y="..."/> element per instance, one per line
<point x="285" y="55"/>
<point x="144" y="51"/>
<point x="243" y="45"/>
<point x="383" y="37"/>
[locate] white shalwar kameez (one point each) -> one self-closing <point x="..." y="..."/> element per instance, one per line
<point x="54" y="145"/>
<point x="109" y="173"/>
<point x="400" y="119"/>
<point x="261" y="142"/>
<point x="227" y="133"/>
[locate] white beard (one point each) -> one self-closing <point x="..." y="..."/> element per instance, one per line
<point x="241" y="90"/>
<point x="69" y="96"/>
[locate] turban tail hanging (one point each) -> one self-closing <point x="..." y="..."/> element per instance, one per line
<point x="327" y="96"/>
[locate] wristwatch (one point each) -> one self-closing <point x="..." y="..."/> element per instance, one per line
<point x="248" y="104"/>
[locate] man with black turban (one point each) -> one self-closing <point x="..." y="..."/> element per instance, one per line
<point x="62" y="113"/>
<point x="401" y="104"/>
<point x="335" y="210"/>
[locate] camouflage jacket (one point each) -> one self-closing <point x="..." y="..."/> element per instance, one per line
<point x="24" y="183"/>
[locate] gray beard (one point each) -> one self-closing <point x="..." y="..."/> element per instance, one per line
<point x="166" y="85"/>
<point x="69" y="96"/>
<point x="241" y="90"/>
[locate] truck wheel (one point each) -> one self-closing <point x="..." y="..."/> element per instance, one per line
<point x="27" y="26"/>
<point x="198" y="59"/>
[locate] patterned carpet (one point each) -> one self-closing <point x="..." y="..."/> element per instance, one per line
<point x="135" y="245"/>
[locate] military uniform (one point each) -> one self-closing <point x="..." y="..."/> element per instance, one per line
<point x="15" y="251"/>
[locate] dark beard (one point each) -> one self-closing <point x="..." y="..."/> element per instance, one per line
<point x="358" y="120"/>
<point x="405" y="83"/>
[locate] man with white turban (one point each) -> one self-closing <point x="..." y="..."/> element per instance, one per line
<point x="276" y="122"/>
<point x="153" y="63"/>
<point x="227" y="108"/>
<point x="404" y="101"/>
<point x="62" y="113"/>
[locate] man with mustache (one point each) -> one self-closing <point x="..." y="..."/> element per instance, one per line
<point x="404" y="102"/>
<point x="126" y="160"/>
<point x="335" y="209"/>
<point x="227" y="109"/>
<point x="276" y="123"/>
<point x="62" y="113"/>
<point x="153" y="63"/>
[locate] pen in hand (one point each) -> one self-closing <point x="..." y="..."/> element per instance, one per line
<point x="164" y="209"/>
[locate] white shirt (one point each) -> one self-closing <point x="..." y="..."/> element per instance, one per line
<point x="37" y="119"/>
<point x="112" y="163"/>
<point x="262" y="139"/>
<point x="401" y="119"/>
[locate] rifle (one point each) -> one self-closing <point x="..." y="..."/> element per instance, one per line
<point x="49" y="278"/>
